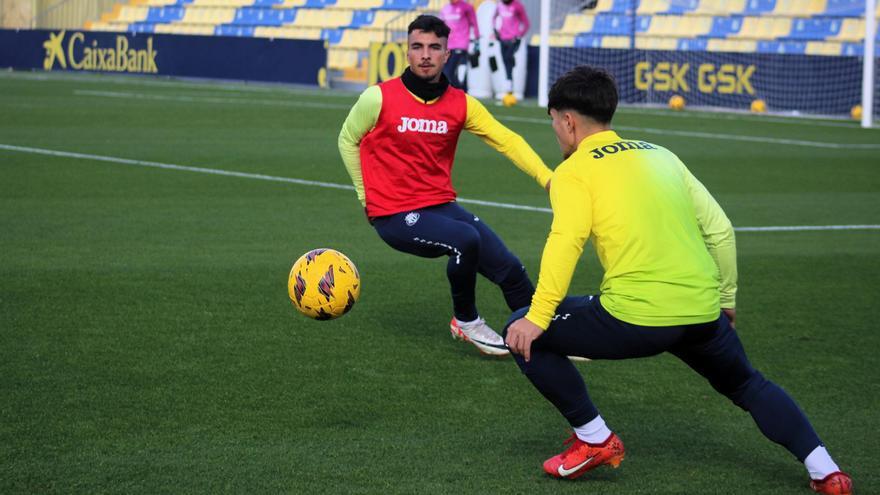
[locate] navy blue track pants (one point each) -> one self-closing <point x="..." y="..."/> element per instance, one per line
<point x="472" y="247"/>
<point x="582" y="327"/>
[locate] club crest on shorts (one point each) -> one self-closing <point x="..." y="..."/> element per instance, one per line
<point x="411" y="218"/>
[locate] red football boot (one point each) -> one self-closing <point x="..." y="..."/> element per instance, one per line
<point x="836" y="483"/>
<point x="581" y="457"/>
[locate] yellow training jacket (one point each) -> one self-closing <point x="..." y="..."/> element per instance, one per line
<point x="667" y="248"/>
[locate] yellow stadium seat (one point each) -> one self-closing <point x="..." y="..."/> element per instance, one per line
<point x="656" y="43"/>
<point x="208" y="15"/>
<point x="155" y="3"/>
<point x="383" y="17"/>
<point x="359" y="38"/>
<point x="852" y="30"/>
<point x="577" y="23"/>
<point x="781" y="27"/>
<point x="727" y="45"/>
<point x="130" y="13"/>
<point x="823" y="48"/>
<point x="693" y="26"/>
<point x="615" y="42"/>
<point x="755" y="27"/>
<point x="104" y="26"/>
<point x="290" y="4"/>
<point x="560" y="40"/>
<point x="794" y="8"/>
<point x="719" y="7"/>
<point x="664" y="25"/>
<point x="338" y="58"/>
<point x="175" y="28"/>
<point x="288" y="32"/>
<point x="358" y="4"/>
<point x="322" y="18"/>
<point x="650" y="7"/>
<point x="221" y="3"/>
<point x="602" y="6"/>
<point x="764" y="28"/>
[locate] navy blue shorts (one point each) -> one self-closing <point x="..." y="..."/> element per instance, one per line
<point x="472" y="247"/>
<point x="582" y="327"/>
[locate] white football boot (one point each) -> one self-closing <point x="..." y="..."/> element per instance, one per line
<point x="477" y="332"/>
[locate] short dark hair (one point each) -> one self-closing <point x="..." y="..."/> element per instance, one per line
<point x="429" y="24"/>
<point x="589" y="91"/>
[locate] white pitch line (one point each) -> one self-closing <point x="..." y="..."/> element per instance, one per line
<point x="333" y="185"/>
<point x="208" y="99"/>
<point x="232" y="86"/>
<point x="168" y="166"/>
<point x="804" y="228"/>
<point x="530" y="120"/>
<point x="722" y="137"/>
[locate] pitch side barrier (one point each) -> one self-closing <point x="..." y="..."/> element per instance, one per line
<point x="808" y="84"/>
<point x="215" y="57"/>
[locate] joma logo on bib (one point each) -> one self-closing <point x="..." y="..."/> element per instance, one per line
<point x="422" y="125"/>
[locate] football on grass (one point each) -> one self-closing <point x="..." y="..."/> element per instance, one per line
<point x="323" y="284"/>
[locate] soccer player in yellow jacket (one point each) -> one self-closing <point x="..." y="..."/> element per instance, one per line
<point x="669" y="256"/>
<point x="398" y="144"/>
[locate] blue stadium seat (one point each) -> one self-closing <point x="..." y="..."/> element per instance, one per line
<point x="266" y="3"/>
<point x="621" y="6"/>
<point x="255" y="16"/>
<point x="230" y="30"/>
<point x="789" y="47"/>
<point x="852" y="49"/>
<point x="722" y="27"/>
<point x="682" y="6"/>
<point x="403" y="4"/>
<point x="845" y="8"/>
<point x="164" y="15"/>
<point x="692" y="44"/>
<point x="813" y="29"/>
<point x="587" y="40"/>
<point x="619" y="25"/>
<point x="362" y="18"/>
<point x="758" y="7"/>
<point x="318" y="4"/>
<point x="333" y="36"/>
<point x="857" y="49"/>
<point x="142" y="27"/>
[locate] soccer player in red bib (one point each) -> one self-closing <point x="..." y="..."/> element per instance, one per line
<point x="669" y="256"/>
<point x="398" y="144"/>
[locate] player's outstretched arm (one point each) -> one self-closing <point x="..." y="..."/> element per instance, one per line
<point x="361" y="119"/>
<point x="482" y="124"/>
<point x="572" y="222"/>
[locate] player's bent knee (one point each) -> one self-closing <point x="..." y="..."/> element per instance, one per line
<point x="469" y="241"/>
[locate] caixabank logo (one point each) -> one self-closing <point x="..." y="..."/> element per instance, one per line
<point x="78" y="52"/>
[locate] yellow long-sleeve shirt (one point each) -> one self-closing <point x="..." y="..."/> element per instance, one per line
<point x="364" y="114"/>
<point x="667" y="248"/>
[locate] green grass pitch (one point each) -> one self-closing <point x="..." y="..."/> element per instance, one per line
<point x="147" y="344"/>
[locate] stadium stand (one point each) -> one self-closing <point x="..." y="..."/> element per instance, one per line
<point x="818" y="27"/>
<point x="347" y="26"/>
<point x="815" y="27"/>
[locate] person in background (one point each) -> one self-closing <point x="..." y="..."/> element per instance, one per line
<point x="459" y="15"/>
<point x="509" y="32"/>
